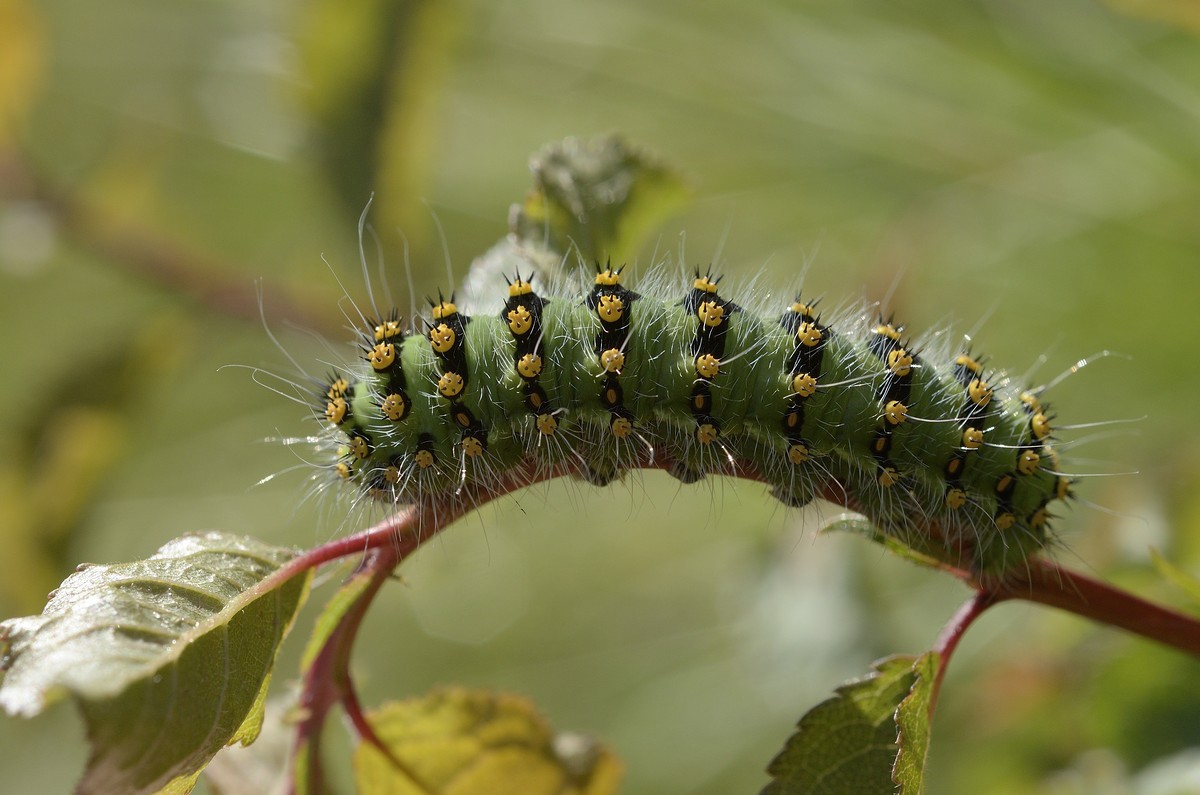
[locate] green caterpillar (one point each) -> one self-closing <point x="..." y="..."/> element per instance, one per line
<point x="603" y="382"/>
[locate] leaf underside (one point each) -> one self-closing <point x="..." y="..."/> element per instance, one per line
<point x="913" y="721"/>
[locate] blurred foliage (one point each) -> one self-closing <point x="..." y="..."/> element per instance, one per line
<point x="1026" y="172"/>
<point x="374" y="77"/>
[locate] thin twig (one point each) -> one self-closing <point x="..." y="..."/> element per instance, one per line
<point x="151" y="256"/>
<point x="952" y="633"/>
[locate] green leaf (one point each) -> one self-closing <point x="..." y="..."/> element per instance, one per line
<point x="600" y="196"/>
<point x="921" y="551"/>
<point x="168" y="659"/>
<point x="847" y="743"/>
<point x="459" y="742"/>
<point x="913" y="718"/>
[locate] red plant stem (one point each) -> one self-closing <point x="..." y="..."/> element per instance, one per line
<point x="327" y="678"/>
<point x="363" y="727"/>
<point x="388" y="532"/>
<point x="1042" y="581"/>
<point x="1049" y="583"/>
<point x="327" y="681"/>
<point x="379" y="568"/>
<point x="316" y="697"/>
<point x="408" y="529"/>
<point x="952" y="633"/>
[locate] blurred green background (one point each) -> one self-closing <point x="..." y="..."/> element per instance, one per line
<point x="1027" y="170"/>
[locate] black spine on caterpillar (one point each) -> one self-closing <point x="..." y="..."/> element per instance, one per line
<point x="804" y="370"/>
<point x="448" y="338"/>
<point x="522" y="314"/>
<point x="613" y="305"/>
<point x="713" y="315"/>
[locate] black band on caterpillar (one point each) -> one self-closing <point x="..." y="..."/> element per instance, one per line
<point x="804" y="370"/>
<point x="612" y="380"/>
<point x="522" y="314"/>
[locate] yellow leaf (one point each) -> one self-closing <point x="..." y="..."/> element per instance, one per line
<point x="460" y="742"/>
<point x="21" y="52"/>
<point x="1180" y="13"/>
